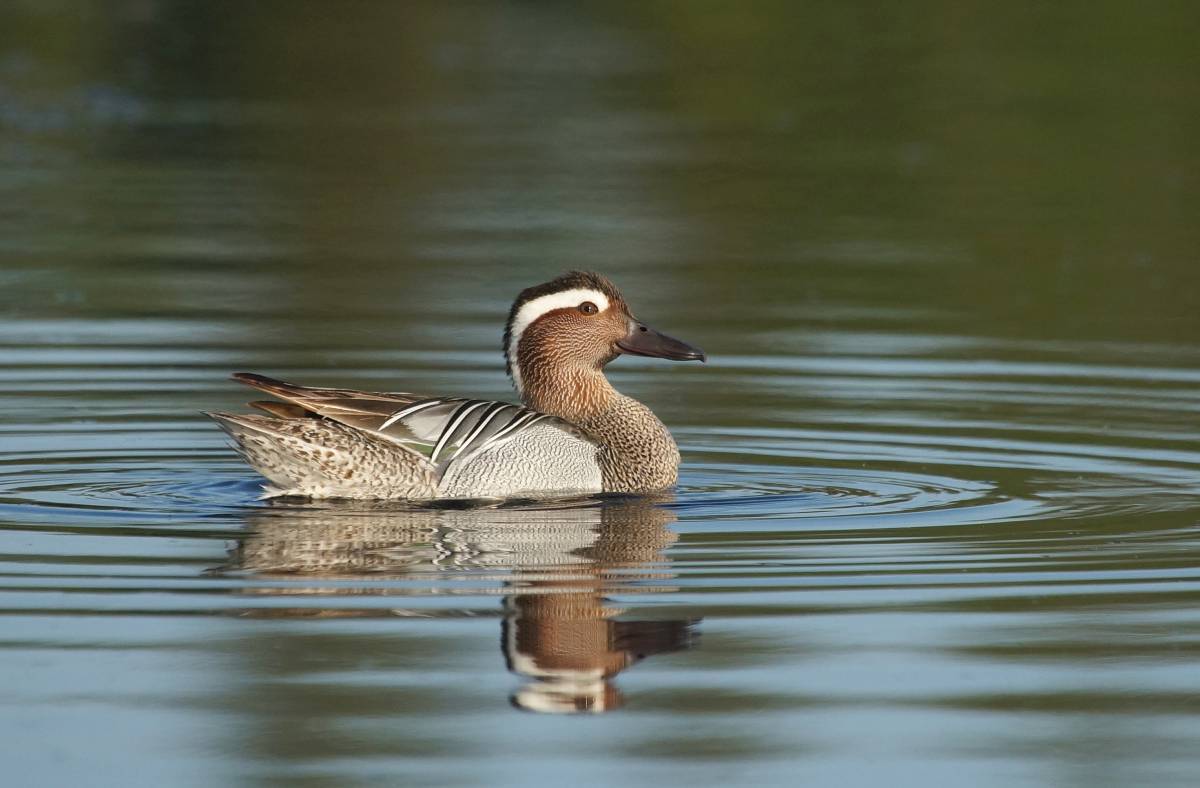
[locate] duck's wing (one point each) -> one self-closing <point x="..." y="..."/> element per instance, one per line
<point x="440" y="429"/>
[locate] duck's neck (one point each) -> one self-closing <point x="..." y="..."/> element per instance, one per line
<point x="577" y="394"/>
<point x="637" y="452"/>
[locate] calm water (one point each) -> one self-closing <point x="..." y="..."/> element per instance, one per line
<point x="939" y="513"/>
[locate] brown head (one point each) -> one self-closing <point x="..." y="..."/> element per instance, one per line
<point x="561" y="334"/>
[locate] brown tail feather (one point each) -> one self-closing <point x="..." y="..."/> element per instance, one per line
<point x="235" y="423"/>
<point x="362" y="410"/>
<point x="284" y="410"/>
<point x="280" y="388"/>
<point x="301" y="396"/>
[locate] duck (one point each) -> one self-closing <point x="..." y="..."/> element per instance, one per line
<point x="572" y="435"/>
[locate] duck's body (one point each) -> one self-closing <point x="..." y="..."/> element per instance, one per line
<point x="578" y="435"/>
<point x="358" y="444"/>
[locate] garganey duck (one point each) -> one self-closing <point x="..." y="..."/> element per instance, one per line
<point x="575" y="435"/>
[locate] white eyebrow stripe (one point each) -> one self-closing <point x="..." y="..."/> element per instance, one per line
<point x="537" y="307"/>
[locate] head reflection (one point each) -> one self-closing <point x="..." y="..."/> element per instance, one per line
<point x="557" y="564"/>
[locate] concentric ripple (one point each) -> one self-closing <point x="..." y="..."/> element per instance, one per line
<point x="936" y="442"/>
<point x="144" y="487"/>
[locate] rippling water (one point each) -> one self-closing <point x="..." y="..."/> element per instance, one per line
<point x="938" y="516"/>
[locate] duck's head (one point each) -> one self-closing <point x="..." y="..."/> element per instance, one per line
<point x="574" y="325"/>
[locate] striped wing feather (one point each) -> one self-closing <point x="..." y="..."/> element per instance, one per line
<point x="440" y="429"/>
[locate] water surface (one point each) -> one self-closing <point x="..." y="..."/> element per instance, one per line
<point x="938" y="516"/>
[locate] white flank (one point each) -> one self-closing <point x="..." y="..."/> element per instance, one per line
<point x="532" y="310"/>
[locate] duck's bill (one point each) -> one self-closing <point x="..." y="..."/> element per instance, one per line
<point x="645" y="341"/>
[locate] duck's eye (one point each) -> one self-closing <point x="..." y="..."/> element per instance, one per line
<point x="588" y="308"/>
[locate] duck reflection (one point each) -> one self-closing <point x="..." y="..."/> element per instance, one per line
<point x="556" y="564"/>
